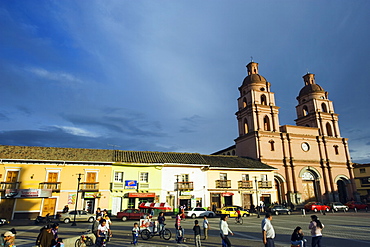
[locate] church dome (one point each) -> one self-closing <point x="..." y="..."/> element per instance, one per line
<point x="254" y="78"/>
<point x="311" y="88"/>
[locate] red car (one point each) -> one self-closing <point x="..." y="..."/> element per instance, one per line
<point x="357" y="205"/>
<point x="130" y="214"/>
<point x="316" y="206"/>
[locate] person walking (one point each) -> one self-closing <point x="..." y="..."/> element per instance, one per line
<point x="225" y="230"/>
<point x="45" y="237"/>
<point x="179" y="229"/>
<point x="197" y="231"/>
<point x="95" y="225"/>
<point x="9" y="239"/>
<point x="316" y="227"/>
<point x="268" y="232"/>
<point x="161" y="219"/>
<point x="205" y="227"/>
<point x="135" y="234"/>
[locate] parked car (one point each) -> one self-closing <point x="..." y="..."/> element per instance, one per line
<point x="81" y="215"/>
<point x="231" y="211"/>
<point x="357" y="205"/>
<point x="130" y="214"/>
<point x="338" y="206"/>
<point x="316" y="206"/>
<point x="199" y="212"/>
<point x="279" y="209"/>
<point x="3" y="221"/>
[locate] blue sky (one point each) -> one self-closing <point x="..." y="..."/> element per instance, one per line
<point x="164" y="75"/>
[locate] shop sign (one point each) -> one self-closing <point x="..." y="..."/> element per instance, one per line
<point x="131" y="184"/>
<point x="28" y="193"/>
<point x="141" y="195"/>
<point x="92" y="195"/>
<point x="185" y="193"/>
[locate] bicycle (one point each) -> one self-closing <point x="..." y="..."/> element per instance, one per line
<point x="239" y="220"/>
<point x="84" y="240"/>
<point x="164" y="233"/>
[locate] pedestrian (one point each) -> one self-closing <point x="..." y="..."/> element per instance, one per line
<point x="54" y="230"/>
<point x="297" y="237"/>
<point x="214" y="208"/>
<point x="135" y="234"/>
<point x="95" y="225"/>
<point x="196" y="230"/>
<point x="179" y="229"/>
<point x="161" y="219"/>
<point x="183" y="216"/>
<point x="98" y="213"/>
<point x="108" y="224"/>
<point x="316" y="227"/>
<point x="65" y="209"/>
<point x="268" y="232"/>
<point x="206" y="227"/>
<point x="225" y="230"/>
<point x="9" y="239"/>
<point x="45" y="237"/>
<point x="103" y="233"/>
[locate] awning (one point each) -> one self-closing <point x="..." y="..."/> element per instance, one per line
<point x="151" y="205"/>
<point x="227" y="194"/>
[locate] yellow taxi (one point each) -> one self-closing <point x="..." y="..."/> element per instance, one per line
<point x="231" y="211"/>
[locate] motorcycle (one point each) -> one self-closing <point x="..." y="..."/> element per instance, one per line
<point x="43" y="220"/>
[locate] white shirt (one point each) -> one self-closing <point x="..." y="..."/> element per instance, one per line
<point x="224" y="228"/>
<point x="103" y="229"/>
<point x="267" y="226"/>
<point x="205" y="223"/>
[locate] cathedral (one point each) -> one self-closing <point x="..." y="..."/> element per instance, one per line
<point x="312" y="159"/>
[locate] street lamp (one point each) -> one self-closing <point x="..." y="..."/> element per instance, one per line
<point x="78" y="188"/>
<point x="258" y="211"/>
<point x="177" y="189"/>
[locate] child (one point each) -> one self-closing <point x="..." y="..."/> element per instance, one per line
<point x="180" y="234"/>
<point x="196" y="230"/>
<point x="135" y="234"/>
<point x="205" y="227"/>
<point x="297" y="238"/>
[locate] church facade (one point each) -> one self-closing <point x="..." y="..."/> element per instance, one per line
<point x="312" y="159"/>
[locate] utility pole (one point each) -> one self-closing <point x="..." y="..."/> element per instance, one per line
<point x="258" y="211"/>
<point x="78" y="188"/>
<point x="177" y="189"/>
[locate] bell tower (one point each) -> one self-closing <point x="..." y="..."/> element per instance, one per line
<point x="314" y="109"/>
<point x="256" y="112"/>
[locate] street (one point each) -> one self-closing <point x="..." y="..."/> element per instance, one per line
<point x="341" y="229"/>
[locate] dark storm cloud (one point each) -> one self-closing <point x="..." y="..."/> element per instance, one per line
<point x="3" y="117"/>
<point x="57" y="137"/>
<point x="190" y="124"/>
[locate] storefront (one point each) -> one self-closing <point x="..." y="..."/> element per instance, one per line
<point x="90" y="201"/>
<point x="134" y="199"/>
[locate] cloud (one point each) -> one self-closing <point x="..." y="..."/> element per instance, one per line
<point x="62" y="77"/>
<point x="3" y="117"/>
<point x="190" y="124"/>
<point x="77" y="131"/>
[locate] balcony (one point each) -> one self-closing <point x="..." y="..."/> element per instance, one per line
<point x="54" y="186"/>
<point x="9" y="185"/>
<point x="184" y="186"/>
<point x="265" y="184"/>
<point x="245" y="184"/>
<point x="223" y="183"/>
<point x="117" y="186"/>
<point x="89" y="186"/>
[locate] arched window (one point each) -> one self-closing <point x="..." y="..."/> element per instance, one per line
<point x="324" y="108"/>
<point x="244" y="102"/>
<point x="336" y="149"/>
<point x="233" y="152"/>
<point x="305" y="110"/>
<point x="246" y="126"/>
<point x="263" y="100"/>
<point x="272" y="145"/>
<point x="266" y="123"/>
<point x="329" y="131"/>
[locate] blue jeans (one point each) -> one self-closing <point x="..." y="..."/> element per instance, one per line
<point x="135" y="238"/>
<point x="270" y="242"/>
<point x="316" y="241"/>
